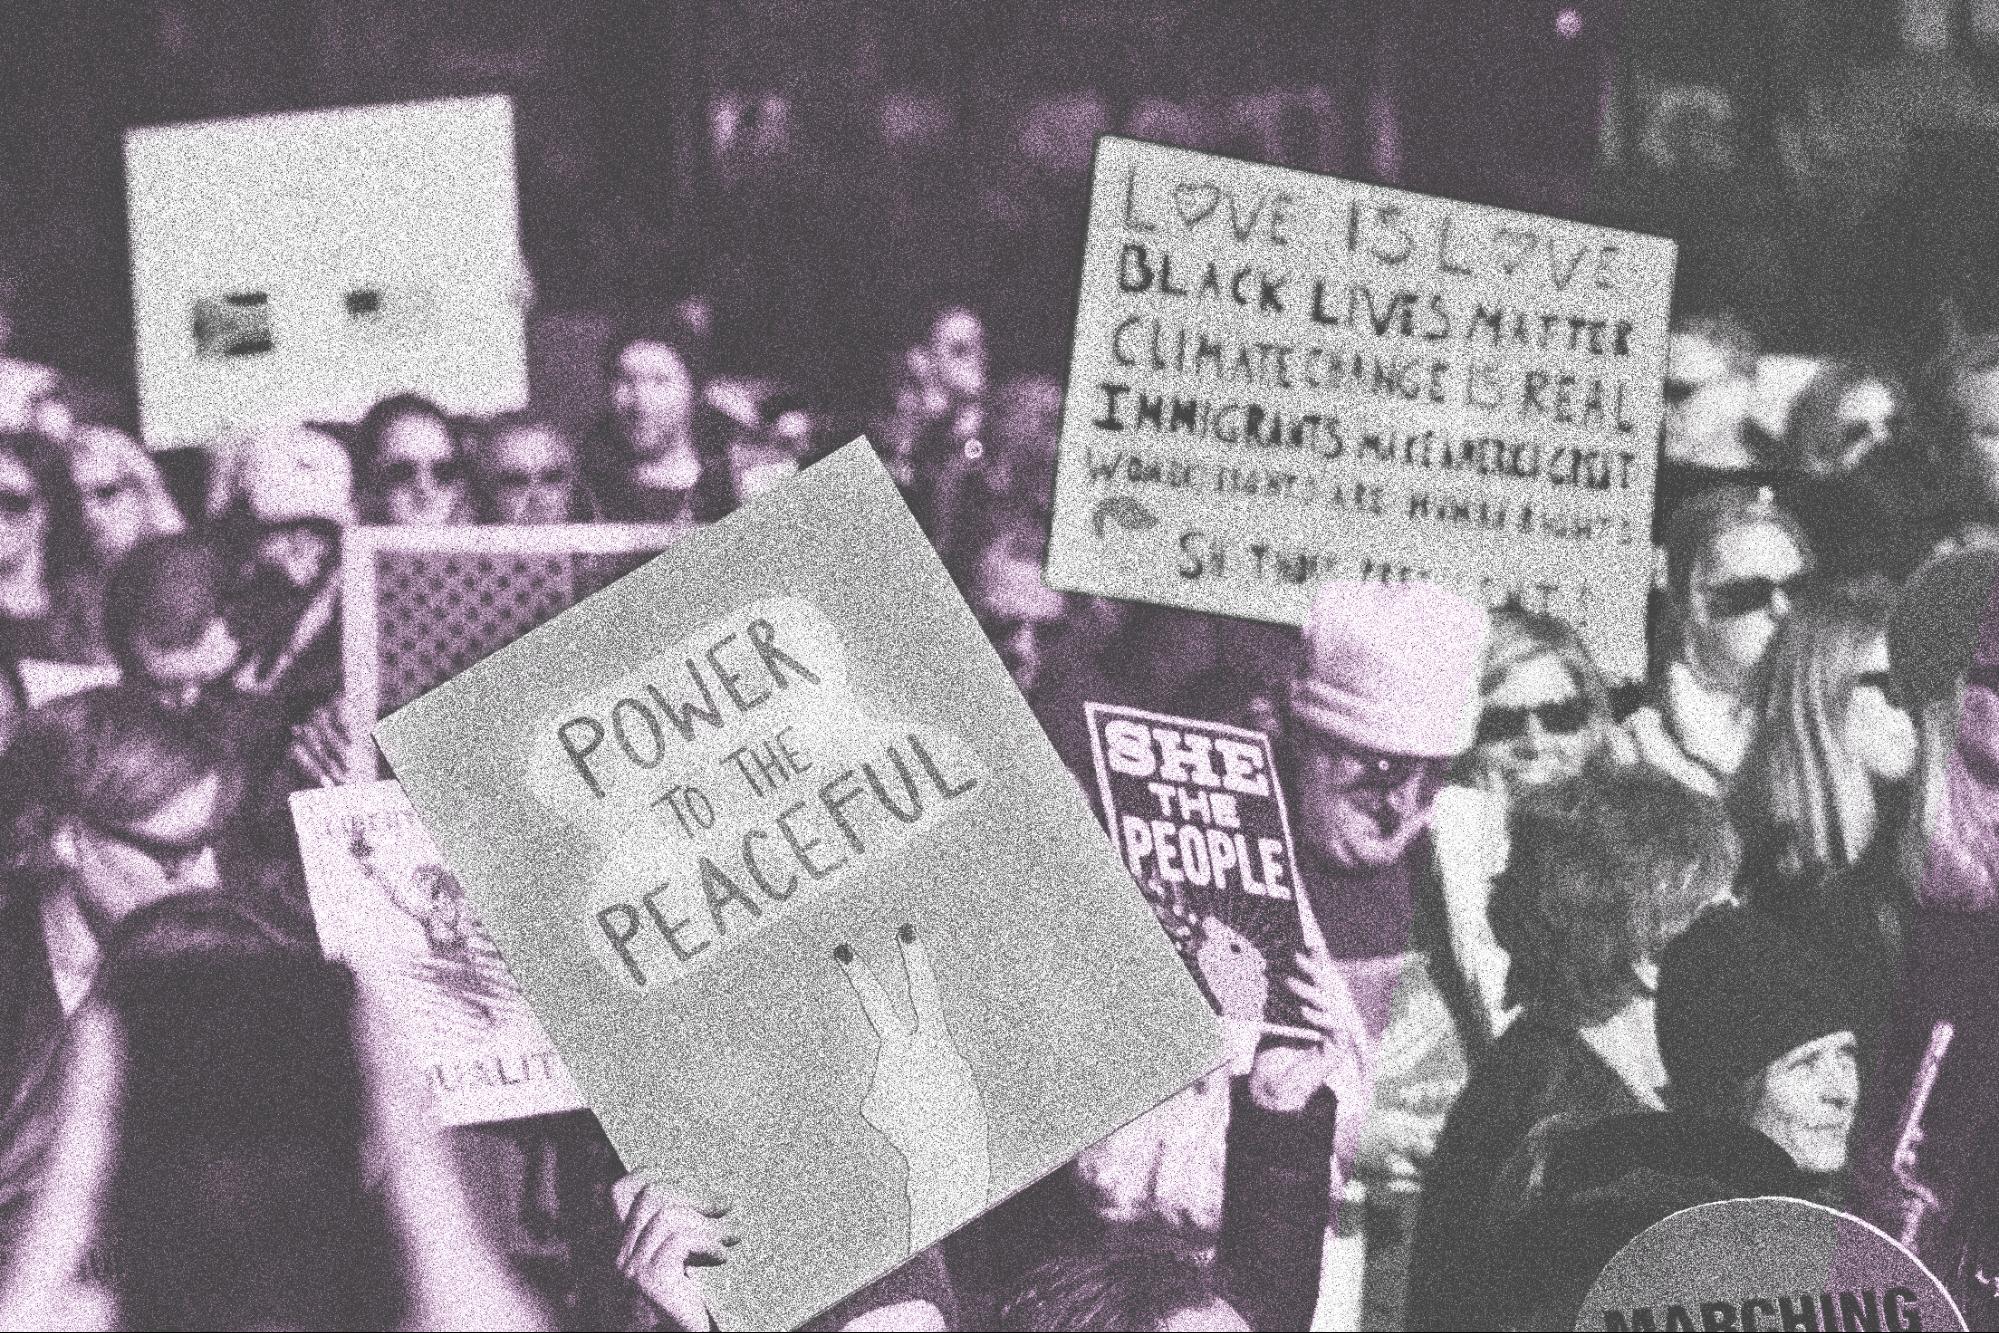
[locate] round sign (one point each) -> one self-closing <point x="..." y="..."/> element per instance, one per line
<point x="1749" y="1265"/>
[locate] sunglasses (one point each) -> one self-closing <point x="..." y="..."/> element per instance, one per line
<point x="1563" y="717"/>
<point x="1876" y="680"/>
<point x="522" y="480"/>
<point x="18" y="504"/>
<point x="1741" y="597"/>
<point x="175" y="859"/>
<point x="404" y="472"/>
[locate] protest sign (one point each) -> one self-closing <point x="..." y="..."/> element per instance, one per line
<point x="714" y="814"/>
<point x="420" y="604"/>
<point x="1281" y="378"/>
<point x="1196" y="811"/>
<point x="384" y="904"/>
<point x="303" y="266"/>
<point x="1771" y="1263"/>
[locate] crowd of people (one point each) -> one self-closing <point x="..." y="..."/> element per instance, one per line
<point x="1644" y="943"/>
<point x="1577" y="952"/>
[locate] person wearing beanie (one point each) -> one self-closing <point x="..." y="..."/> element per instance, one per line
<point x="1384" y="697"/>
<point x="1754" y="1027"/>
<point x="1943" y="644"/>
<point x="1755" y="1036"/>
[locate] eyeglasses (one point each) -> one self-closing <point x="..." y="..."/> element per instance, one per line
<point x="175" y="858"/>
<point x="405" y="471"/>
<point x="1562" y="717"/>
<point x="1733" y="598"/>
<point x="19" y="504"/>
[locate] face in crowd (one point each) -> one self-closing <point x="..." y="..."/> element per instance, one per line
<point x="1878" y="731"/>
<point x="1707" y="402"/>
<point x="652" y="396"/>
<point x="958" y="354"/>
<point x="1741" y="589"/>
<point x="1866" y="419"/>
<point x="1024" y="617"/>
<point x="530" y="475"/>
<point x="419" y="475"/>
<point x="1962" y="866"/>
<point x="1360" y="809"/>
<point x="116" y="867"/>
<point x="1804" y="1102"/>
<point x="1536" y="726"/>
<point x="1976" y="398"/>
<point x="23" y="519"/>
<point x="300" y="555"/>
<point x="118" y="501"/>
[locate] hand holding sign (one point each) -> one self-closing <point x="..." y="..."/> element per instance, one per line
<point x="666" y="1236"/>
<point x="923" y="1097"/>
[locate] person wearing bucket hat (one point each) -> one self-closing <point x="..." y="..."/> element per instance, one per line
<point x="1383" y="699"/>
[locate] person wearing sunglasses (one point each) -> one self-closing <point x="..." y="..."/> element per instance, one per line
<point x="1825" y="780"/>
<point x="110" y="802"/>
<point x="527" y="472"/>
<point x="413" y="472"/>
<point x="1544" y="710"/>
<point x="1735" y="562"/>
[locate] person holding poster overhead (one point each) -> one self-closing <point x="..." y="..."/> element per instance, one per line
<point x="1384" y="699"/>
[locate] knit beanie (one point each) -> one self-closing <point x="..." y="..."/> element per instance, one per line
<point x="1935" y="628"/>
<point x="1736" y="992"/>
<point x="1391" y="667"/>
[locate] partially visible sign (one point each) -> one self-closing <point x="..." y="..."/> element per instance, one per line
<point x="1772" y="1263"/>
<point x="385" y="905"/>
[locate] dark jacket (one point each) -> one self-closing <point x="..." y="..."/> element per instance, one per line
<point x="1599" y="1185"/>
<point x="1537" y="1069"/>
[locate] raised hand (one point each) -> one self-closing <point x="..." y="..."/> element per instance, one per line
<point x="667" y="1235"/>
<point x="923" y="1097"/>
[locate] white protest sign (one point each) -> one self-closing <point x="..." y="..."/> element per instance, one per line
<point x="301" y="267"/>
<point x="1280" y="378"/>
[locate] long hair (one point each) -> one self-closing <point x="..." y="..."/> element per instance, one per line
<point x="1607" y="867"/>
<point x="139" y="472"/>
<point x="1131" y="1285"/>
<point x="1801" y="782"/>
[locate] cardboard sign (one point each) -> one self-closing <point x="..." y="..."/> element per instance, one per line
<point x="1770" y="1263"/>
<point x="718" y="812"/>
<point x="303" y="266"/>
<point x="1196" y="810"/>
<point x="1280" y="378"/>
<point x="385" y="905"/>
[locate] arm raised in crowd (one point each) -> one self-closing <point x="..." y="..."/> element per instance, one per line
<point x="1277" y="1191"/>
